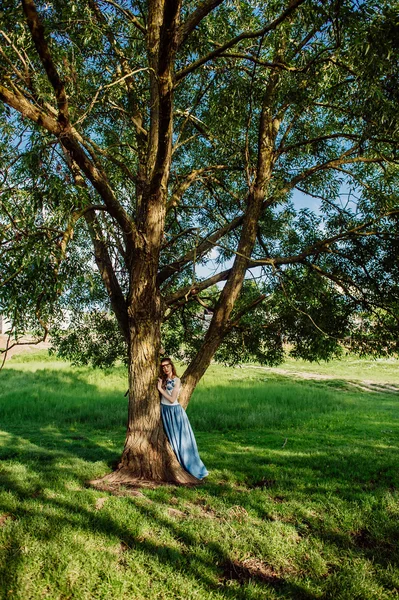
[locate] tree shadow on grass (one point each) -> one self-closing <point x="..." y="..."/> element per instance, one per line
<point x="214" y="573"/>
<point x="261" y="475"/>
<point x="295" y="485"/>
<point x="218" y="571"/>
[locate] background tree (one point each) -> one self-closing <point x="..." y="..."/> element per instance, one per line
<point x="141" y="136"/>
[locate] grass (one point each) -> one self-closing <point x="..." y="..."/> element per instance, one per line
<point x="301" y="501"/>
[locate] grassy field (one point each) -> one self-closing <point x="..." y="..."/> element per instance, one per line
<point x="302" y="500"/>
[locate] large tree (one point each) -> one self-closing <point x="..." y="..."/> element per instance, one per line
<point x="141" y="138"/>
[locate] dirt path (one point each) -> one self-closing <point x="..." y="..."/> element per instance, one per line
<point x="366" y="385"/>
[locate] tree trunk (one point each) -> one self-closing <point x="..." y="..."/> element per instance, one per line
<point x="147" y="455"/>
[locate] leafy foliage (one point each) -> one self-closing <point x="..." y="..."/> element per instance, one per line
<point x="328" y="273"/>
<point x="92" y="338"/>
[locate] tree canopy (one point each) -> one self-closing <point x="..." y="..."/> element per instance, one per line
<point x="324" y="272"/>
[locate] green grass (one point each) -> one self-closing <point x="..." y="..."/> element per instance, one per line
<point x="301" y="501"/>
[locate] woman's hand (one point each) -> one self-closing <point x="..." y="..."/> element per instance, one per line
<point x="159" y="385"/>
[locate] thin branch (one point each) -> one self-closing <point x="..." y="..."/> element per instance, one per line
<point x="135" y="113"/>
<point x="340" y="209"/>
<point x="188" y="181"/>
<point x="324" y="245"/>
<point x="17" y="272"/>
<point x="179" y="235"/>
<point x="202" y="10"/>
<point x="199" y="125"/>
<point x="257" y="61"/>
<point x="343" y="284"/>
<point x="349" y="136"/>
<point x="128" y="14"/>
<point x="199" y="97"/>
<point x="27" y="77"/>
<point x="321" y="138"/>
<point x="305" y="40"/>
<point x="61" y="127"/>
<point x="13" y="67"/>
<point x="192" y="290"/>
<point x="205" y="245"/>
<point x="303" y="312"/>
<point x="112" y="158"/>
<point x="105" y="87"/>
<point x="31" y="343"/>
<point x="293" y="5"/>
<point x="238" y="316"/>
<point x="203" y="304"/>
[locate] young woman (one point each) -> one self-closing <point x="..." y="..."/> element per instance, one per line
<point x="175" y="421"/>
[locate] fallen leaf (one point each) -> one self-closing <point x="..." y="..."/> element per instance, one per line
<point x="100" y="503"/>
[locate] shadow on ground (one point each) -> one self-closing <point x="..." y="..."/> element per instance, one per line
<point x="275" y="476"/>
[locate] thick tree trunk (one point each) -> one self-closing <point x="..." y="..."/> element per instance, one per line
<point x="147" y="455"/>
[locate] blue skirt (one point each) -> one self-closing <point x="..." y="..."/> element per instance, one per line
<point x="181" y="438"/>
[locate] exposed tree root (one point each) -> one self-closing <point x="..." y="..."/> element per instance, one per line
<point x="125" y="478"/>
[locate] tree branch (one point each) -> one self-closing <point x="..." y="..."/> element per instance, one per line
<point x="188" y="180"/>
<point x="238" y="316"/>
<point x="135" y="116"/>
<point x="128" y="14"/>
<point x="211" y="240"/>
<point x="38" y="36"/>
<point x="293" y="5"/>
<point x="190" y="230"/>
<point x="322" y="138"/>
<point x="320" y="247"/>
<point x="206" y="245"/>
<point x="192" y="290"/>
<point x="202" y="10"/>
<point x="257" y="61"/>
<point x="107" y="273"/>
<point x="17" y="101"/>
<point x="164" y="21"/>
<point x="62" y="128"/>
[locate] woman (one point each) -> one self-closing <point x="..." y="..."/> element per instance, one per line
<point x="175" y="421"/>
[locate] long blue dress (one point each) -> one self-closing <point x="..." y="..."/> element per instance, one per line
<point x="181" y="436"/>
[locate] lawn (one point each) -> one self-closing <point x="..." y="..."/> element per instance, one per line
<point x="302" y="500"/>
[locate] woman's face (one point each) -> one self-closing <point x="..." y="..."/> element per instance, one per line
<point x="167" y="368"/>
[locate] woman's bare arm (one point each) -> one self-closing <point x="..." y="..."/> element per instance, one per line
<point x="175" y="392"/>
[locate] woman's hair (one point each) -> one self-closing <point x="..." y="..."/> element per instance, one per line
<point x="161" y="372"/>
